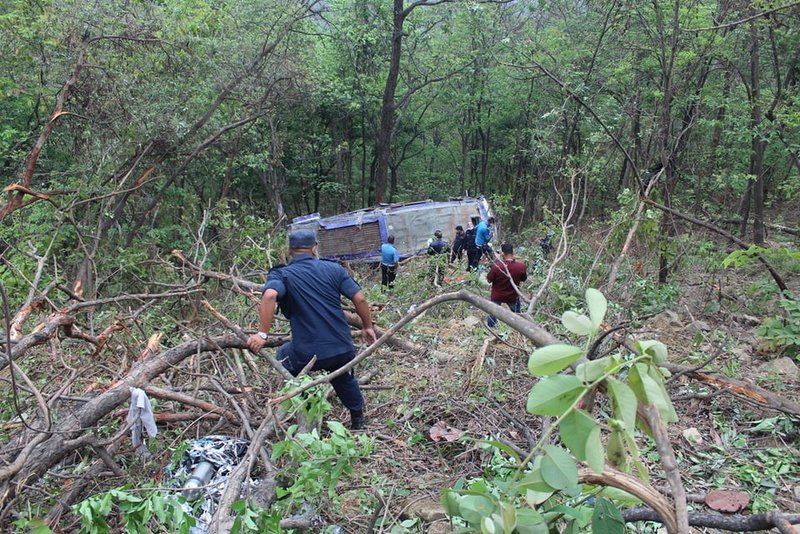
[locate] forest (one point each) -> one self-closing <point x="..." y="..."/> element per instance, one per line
<point x="154" y="152"/>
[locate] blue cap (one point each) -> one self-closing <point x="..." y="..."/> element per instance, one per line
<point x="302" y="239"/>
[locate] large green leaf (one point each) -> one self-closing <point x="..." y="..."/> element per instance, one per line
<point x="554" y="395"/>
<point x="619" y="496"/>
<point x="606" y="518"/>
<point x="667" y="410"/>
<point x="474" y="508"/>
<point x="656" y="349"/>
<point x="529" y="521"/>
<point x="535" y="498"/>
<point x="574" y="431"/>
<point x="595" y="455"/>
<point x="552" y="359"/>
<point x="577" y="323"/>
<point x="558" y="468"/>
<point x="509" y="515"/>
<point x="450" y="502"/>
<point x="597" y="305"/>
<point x="649" y="388"/>
<point x="623" y="400"/>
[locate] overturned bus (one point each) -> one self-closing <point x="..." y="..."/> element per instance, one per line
<point x="357" y="235"/>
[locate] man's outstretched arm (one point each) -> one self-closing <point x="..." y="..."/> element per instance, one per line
<point x="266" y="313"/>
<point x="362" y="309"/>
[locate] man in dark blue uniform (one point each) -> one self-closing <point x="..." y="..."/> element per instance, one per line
<point x="309" y="290"/>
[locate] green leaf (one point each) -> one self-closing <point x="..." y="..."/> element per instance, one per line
<point x="533" y="481"/>
<point x="623" y="400"/>
<point x="591" y="370"/>
<point x="503" y="447"/>
<point x="530" y="521"/>
<point x="574" y="431"/>
<point x="606" y="518"/>
<point x="558" y="468"/>
<point x="595" y="454"/>
<point x="619" y="496"/>
<point x="535" y="498"/>
<point x="666" y="409"/>
<point x="554" y="395"/>
<point x="509" y="514"/>
<point x="474" y="508"/>
<point x="651" y="390"/>
<point x="552" y="359"/>
<point x="337" y="428"/>
<point x="597" y="305"/>
<point x="450" y="502"/>
<point x="656" y="349"/>
<point x="577" y="323"/>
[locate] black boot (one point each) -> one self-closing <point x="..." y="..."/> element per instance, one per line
<point x="357" y="419"/>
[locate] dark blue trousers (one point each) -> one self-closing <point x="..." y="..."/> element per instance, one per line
<point x="515" y="307"/>
<point x="345" y="386"/>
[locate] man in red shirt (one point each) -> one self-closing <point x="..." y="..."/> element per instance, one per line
<point x="501" y="275"/>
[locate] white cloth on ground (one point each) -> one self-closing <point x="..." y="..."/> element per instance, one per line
<point x="140" y="416"/>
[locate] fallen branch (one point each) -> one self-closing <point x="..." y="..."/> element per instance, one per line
<point x="730" y="237"/>
<point x="744" y="390"/>
<point x="733" y="523"/>
<point x="637" y="219"/>
<point x="188" y="400"/>
<point x="55" y="446"/>
<point x="17" y="192"/>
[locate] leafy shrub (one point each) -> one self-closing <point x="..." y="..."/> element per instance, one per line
<point x="783" y="332"/>
<point x="544" y="491"/>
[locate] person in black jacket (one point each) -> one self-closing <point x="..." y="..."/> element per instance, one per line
<point x="458" y="244"/>
<point x="473" y="251"/>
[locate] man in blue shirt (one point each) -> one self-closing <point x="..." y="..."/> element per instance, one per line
<point x="309" y="290"/>
<point x="389" y="261"/>
<point x="483" y="235"/>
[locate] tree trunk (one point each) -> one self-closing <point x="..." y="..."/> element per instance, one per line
<point x="386" y="130"/>
<point x="757" y="155"/>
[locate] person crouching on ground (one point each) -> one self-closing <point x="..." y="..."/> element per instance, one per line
<point x="309" y="290"/>
<point x="503" y="272"/>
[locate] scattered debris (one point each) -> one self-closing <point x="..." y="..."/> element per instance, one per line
<point x="221" y="455"/>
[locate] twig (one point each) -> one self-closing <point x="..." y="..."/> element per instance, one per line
<point x="188" y="400"/>
<point x="612" y="276"/>
<point x="670" y="465"/>
<point x="241" y="335"/>
<point x="563" y="244"/>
